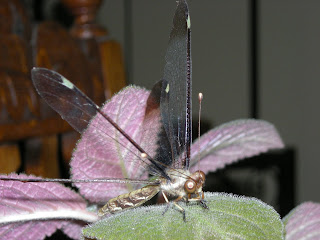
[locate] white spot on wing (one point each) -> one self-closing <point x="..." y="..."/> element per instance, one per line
<point x="67" y="83"/>
<point x="167" y="88"/>
<point x="188" y="22"/>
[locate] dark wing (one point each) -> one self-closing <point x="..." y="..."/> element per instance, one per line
<point x="176" y="90"/>
<point x="163" y="153"/>
<point x="76" y="108"/>
<point x="64" y="97"/>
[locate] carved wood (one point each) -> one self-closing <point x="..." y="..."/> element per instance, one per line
<point x="41" y="156"/>
<point x="85" y="55"/>
<point x="84" y="12"/>
<point x="9" y="158"/>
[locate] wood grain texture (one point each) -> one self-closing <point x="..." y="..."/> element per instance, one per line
<point x="85" y="55"/>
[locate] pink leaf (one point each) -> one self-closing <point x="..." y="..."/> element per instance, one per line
<point x="152" y="121"/>
<point x="24" y="205"/>
<point x="303" y="222"/>
<point x="73" y="229"/>
<point x="103" y="153"/>
<point x="233" y="141"/>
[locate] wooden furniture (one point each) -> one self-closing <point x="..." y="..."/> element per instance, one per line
<point x="30" y="139"/>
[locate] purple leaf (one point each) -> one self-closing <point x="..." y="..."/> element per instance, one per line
<point x="73" y="229"/>
<point x="103" y="152"/>
<point x="233" y="141"/>
<point x="303" y="222"/>
<point x="24" y="206"/>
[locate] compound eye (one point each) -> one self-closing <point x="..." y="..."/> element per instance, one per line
<point x="190" y="186"/>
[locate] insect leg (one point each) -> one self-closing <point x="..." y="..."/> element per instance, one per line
<point x="198" y="199"/>
<point x="203" y="204"/>
<point x="168" y="203"/>
<point x="194" y="199"/>
<point x="180" y="208"/>
<point x="176" y="204"/>
<point x="165" y="197"/>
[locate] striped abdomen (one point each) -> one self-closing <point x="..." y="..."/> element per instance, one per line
<point x="130" y="200"/>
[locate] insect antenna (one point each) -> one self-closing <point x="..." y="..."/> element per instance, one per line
<point x="200" y="98"/>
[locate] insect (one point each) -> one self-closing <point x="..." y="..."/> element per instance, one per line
<point x="173" y="93"/>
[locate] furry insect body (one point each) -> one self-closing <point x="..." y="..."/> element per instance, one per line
<point x="130" y="200"/>
<point x="182" y="185"/>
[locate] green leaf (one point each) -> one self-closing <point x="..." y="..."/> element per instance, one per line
<point x="228" y="217"/>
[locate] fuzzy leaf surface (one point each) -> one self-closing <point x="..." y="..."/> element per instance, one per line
<point x="228" y="217"/>
<point x="232" y="141"/>
<point x="25" y="206"/>
<point x="303" y="222"/>
<point x="103" y="152"/>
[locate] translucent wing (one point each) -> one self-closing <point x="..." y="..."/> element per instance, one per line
<point x="106" y="149"/>
<point x="176" y="90"/>
<point x="98" y="155"/>
<point x="66" y="99"/>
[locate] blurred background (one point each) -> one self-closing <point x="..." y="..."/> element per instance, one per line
<point x="251" y="59"/>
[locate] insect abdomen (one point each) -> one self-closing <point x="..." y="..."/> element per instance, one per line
<point x="129" y="200"/>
